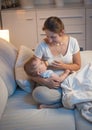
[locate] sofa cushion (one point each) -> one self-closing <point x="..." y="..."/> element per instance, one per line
<point x="22" y="114"/>
<point x="81" y="123"/>
<point x="8" y="55"/>
<point x="22" y="78"/>
<point x="3" y="96"/>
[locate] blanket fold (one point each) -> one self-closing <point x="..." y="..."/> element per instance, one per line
<point x="85" y="110"/>
<point x="77" y="89"/>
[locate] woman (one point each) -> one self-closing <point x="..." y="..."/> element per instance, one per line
<point x="60" y="52"/>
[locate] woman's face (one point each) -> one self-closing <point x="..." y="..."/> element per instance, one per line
<point x="53" y="37"/>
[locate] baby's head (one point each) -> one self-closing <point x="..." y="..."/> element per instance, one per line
<point x="35" y="66"/>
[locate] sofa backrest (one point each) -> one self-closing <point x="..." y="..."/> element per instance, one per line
<point x="86" y="57"/>
<point x="8" y="54"/>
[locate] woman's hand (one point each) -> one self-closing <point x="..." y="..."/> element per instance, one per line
<point x="57" y="65"/>
<point x="49" y="82"/>
<point x="52" y="83"/>
<point x="75" y="66"/>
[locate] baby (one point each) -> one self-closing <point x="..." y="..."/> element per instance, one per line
<point x="37" y="67"/>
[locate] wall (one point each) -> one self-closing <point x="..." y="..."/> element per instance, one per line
<point x="43" y="1"/>
<point x="73" y="1"/>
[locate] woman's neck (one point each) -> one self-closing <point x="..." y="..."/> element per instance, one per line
<point x="64" y="39"/>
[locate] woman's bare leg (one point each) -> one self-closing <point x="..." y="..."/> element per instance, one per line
<point x="57" y="105"/>
<point x="44" y="95"/>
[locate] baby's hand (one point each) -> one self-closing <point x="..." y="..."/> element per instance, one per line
<point x="55" y="78"/>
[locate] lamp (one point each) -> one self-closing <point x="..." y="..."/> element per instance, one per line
<point x="3" y="33"/>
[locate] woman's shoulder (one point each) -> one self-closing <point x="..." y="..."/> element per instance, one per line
<point x="73" y="44"/>
<point x="73" y="39"/>
<point x="42" y="43"/>
<point x="41" y="47"/>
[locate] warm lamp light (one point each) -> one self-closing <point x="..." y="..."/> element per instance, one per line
<point x="5" y="35"/>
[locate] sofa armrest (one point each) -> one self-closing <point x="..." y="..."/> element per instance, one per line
<point x="8" y="54"/>
<point x="3" y="96"/>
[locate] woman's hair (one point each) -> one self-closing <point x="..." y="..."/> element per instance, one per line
<point x="53" y="24"/>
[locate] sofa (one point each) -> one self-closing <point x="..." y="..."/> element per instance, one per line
<point x="18" y="110"/>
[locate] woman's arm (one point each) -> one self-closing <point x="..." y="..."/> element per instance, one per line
<point x="72" y="67"/>
<point x="49" y="82"/>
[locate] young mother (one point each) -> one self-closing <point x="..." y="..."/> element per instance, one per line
<point x="60" y="52"/>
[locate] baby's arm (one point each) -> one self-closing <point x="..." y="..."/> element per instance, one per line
<point x="55" y="77"/>
<point x="61" y="77"/>
<point x="64" y="75"/>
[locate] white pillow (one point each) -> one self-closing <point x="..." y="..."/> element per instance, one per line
<point x="3" y="96"/>
<point x="22" y="78"/>
<point x="8" y="54"/>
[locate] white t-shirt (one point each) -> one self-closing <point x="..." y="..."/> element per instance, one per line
<point x="43" y="51"/>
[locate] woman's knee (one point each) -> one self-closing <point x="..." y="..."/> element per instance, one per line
<point x="42" y="94"/>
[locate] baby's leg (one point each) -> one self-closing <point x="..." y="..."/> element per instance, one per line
<point x="67" y="72"/>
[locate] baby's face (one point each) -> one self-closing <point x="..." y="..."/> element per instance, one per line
<point x="40" y="67"/>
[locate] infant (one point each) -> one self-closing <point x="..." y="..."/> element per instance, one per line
<point x="38" y="67"/>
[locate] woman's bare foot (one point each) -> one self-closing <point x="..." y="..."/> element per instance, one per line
<point x="58" y="105"/>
